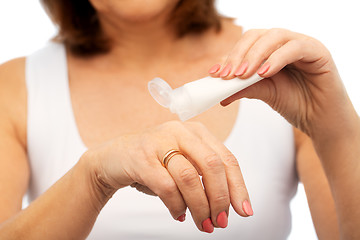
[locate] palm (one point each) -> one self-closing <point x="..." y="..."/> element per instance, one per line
<point x="296" y="94"/>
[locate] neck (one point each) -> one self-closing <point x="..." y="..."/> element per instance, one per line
<point x="140" y="42"/>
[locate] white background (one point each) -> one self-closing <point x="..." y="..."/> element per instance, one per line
<point x="24" y="27"/>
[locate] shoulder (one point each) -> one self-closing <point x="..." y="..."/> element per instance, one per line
<point x="14" y="64"/>
<point x="13" y="96"/>
<point x="12" y="73"/>
<point x="12" y="82"/>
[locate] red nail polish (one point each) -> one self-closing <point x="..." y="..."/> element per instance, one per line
<point x="247" y="208"/>
<point x="181" y="218"/>
<point x="264" y="68"/>
<point x="225" y="71"/>
<point x="214" y="68"/>
<point x="241" y="69"/>
<point x="207" y="226"/>
<point x="222" y="219"/>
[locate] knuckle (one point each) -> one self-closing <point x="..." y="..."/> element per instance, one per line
<point x="172" y="125"/>
<point x="222" y="199"/>
<point x="234" y="58"/>
<point x="168" y="188"/>
<point x="188" y="176"/>
<point x="240" y="187"/>
<point x="169" y="130"/>
<point x="147" y="142"/>
<point x="277" y="31"/>
<point x="270" y="94"/>
<point x="177" y="209"/>
<point x="296" y="44"/>
<point x="252" y="32"/>
<point x="231" y="161"/>
<point x="255" y="54"/>
<point x="197" y="126"/>
<point x="213" y="161"/>
<point x="308" y="41"/>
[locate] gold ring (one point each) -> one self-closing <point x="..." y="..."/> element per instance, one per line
<point x="167" y="157"/>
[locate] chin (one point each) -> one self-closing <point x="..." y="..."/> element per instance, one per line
<point x="134" y="10"/>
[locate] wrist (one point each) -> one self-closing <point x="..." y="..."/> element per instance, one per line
<point x="339" y="141"/>
<point x="334" y="125"/>
<point x="100" y="191"/>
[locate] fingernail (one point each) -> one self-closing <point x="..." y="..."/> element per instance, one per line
<point x="181" y="218"/>
<point x="214" y="68"/>
<point x="225" y="71"/>
<point x="241" y="69"/>
<point x="247" y="208"/>
<point x="207" y="226"/>
<point x="263" y="69"/>
<point x="222" y="219"/>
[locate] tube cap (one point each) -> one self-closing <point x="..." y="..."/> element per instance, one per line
<point x="160" y="91"/>
<point x="177" y="100"/>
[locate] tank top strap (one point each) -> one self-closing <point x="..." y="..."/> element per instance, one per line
<point x="47" y="80"/>
<point x="51" y="127"/>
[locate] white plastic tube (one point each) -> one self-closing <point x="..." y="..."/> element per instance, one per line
<point x="196" y="97"/>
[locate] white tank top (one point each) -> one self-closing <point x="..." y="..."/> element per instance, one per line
<point x="261" y="140"/>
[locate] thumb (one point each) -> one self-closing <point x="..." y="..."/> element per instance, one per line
<point x="264" y="90"/>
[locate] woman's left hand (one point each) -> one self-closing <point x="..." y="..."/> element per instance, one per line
<point x="301" y="80"/>
<point x="303" y="85"/>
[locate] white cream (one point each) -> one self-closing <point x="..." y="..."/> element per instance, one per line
<point x="196" y="97"/>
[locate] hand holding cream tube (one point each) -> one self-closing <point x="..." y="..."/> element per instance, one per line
<point x="196" y="97"/>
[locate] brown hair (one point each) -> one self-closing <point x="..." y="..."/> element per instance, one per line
<point x="80" y="30"/>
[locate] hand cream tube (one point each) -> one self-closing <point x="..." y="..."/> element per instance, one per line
<point x="196" y="97"/>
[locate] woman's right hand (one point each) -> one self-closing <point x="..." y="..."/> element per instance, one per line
<point x="136" y="160"/>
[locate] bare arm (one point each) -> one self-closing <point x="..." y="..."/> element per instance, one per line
<point x="14" y="169"/>
<point x="340" y="156"/>
<point x="68" y="210"/>
<point x="320" y="199"/>
<point x="69" y="195"/>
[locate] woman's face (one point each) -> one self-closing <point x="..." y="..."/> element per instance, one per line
<point x="133" y="10"/>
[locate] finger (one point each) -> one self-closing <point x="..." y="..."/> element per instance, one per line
<point x="264" y="47"/>
<point x="187" y="179"/>
<point x="239" y="196"/>
<point x="266" y="90"/>
<point x="212" y="168"/>
<point x="292" y="52"/>
<point x="142" y="188"/>
<point x="262" y="90"/>
<point x="269" y="90"/>
<point x="165" y="187"/>
<point x="230" y="67"/>
<point x="298" y="52"/>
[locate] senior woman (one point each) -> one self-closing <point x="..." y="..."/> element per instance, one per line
<point x="78" y="127"/>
